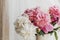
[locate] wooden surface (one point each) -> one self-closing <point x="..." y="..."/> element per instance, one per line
<point x="1" y="19"/>
<point x="5" y="21"/>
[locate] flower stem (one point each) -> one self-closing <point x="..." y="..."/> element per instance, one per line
<point x="55" y="34"/>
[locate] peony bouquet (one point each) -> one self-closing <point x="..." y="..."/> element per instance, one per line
<point x="36" y="19"/>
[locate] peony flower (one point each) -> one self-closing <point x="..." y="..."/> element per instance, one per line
<point x="54" y="11"/>
<point x="32" y="14"/>
<point x="40" y="19"/>
<point x="55" y="14"/>
<point x="25" y="28"/>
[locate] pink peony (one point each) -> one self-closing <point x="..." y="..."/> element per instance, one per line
<point x="40" y="19"/>
<point x="54" y="11"/>
<point x="32" y="14"/>
<point x="43" y="18"/>
<point x="55" y="14"/>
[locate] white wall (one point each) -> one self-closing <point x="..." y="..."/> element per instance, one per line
<point x="16" y="7"/>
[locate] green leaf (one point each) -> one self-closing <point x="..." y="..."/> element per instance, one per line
<point x="41" y="33"/>
<point x="55" y="33"/>
<point x="57" y="28"/>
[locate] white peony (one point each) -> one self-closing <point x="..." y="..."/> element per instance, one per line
<point x="25" y="28"/>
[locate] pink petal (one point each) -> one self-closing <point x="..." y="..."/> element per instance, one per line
<point x="47" y="28"/>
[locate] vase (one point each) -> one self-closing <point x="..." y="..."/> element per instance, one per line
<point x="48" y="36"/>
<point x="45" y="37"/>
